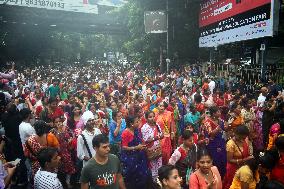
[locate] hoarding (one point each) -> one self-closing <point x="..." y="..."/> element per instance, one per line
<point x="155" y="21"/>
<point x="62" y="5"/>
<point x="83" y="6"/>
<point x="226" y="21"/>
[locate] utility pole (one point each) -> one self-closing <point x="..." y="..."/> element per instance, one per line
<point x="168" y="59"/>
<point x="263" y="64"/>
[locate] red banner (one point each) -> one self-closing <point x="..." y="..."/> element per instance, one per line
<point x="213" y="11"/>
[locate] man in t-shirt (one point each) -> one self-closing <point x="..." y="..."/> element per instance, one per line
<point x="103" y="170"/>
<point x="54" y="89"/>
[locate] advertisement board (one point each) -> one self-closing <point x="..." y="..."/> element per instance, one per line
<point x="155" y="21"/>
<point x="83" y="6"/>
<point x="226" y="21"/>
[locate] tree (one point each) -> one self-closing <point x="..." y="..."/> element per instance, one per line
<point x="183" y="30"/>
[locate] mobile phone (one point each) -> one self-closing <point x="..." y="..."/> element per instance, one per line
<point x="16" y="162"/>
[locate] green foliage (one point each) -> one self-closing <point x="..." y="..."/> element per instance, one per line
<point x="52" y="46"/>
<point x="183" y="30"/>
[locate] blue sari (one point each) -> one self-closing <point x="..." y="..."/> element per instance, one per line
<point x="217" y="145"/>
<point x="135" y="165"/>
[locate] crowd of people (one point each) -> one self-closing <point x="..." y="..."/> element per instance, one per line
<point x="97" y="126"/>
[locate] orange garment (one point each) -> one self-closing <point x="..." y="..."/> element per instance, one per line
<point x="146" y="107"/>
<point x="165" y="121"/>
<point x="244" y="174"/>
<point x="205" y="86"/>
<point x="197" y="181"/>
<point x="52" y="140"/>
<point x="237" y="121"/>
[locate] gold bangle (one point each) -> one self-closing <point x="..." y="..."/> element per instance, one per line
<point x="237" y="161"/>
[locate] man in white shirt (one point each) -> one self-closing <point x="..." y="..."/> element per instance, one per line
<point x="25" y="128"/>
<point x="25" y="131"/>
<point x="262" y="97"/>
<point x="212" y="85"/>
<point x="46" y="176"/>
<point x="84" y="141"/>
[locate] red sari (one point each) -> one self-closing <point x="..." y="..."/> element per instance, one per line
<point x="237" y="154"/>
<point x="67" y="166"/>
<point x="277" y="172"/>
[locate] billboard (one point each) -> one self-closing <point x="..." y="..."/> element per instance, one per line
<point x="155" y="21"/>
<point x="83" y="6"/>
<point x="112" y="3"/>
<point x="226" y="21"/>
<point x="63" y="5"/>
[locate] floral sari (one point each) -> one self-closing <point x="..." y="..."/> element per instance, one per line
<point x="148" y="133"/>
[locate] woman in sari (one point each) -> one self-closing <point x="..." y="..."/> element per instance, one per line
<point x="239" y="150"/>
<point x="193" y="118"/>
<point x="247" y="176"/>
<point x="36" y="142"/>
<point x="257" y="127"/>
<point x="213" y="129"/>
<point x="275" y="130"/>
<point x="50" y="112"/>
<point x="74" y="119"/>
<point x="151" y="134"/>
<point x="165" y="120"/>
<point x="277" y="172"/>
<point x="173" y="107"/>
<point x="248" y="115"/>
<point x="67" y="166"/>
<point x="235" y="119"/>
<point x="133" y="157"/>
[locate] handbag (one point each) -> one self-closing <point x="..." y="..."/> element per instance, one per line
<point x="155" y="152"/>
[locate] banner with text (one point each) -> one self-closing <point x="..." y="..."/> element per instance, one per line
<point x="226" y="21"/>
<point x="63" y="5"/>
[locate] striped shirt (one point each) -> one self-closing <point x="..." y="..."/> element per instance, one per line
<point x="46" y="180"/>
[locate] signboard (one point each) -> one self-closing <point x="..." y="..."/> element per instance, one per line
<point x="111" y="3"/>
<point x="63" y="5"/>
<point x="83" y="6"/>
<point x="155" y="21"/>
<point x="226" y="21"/>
